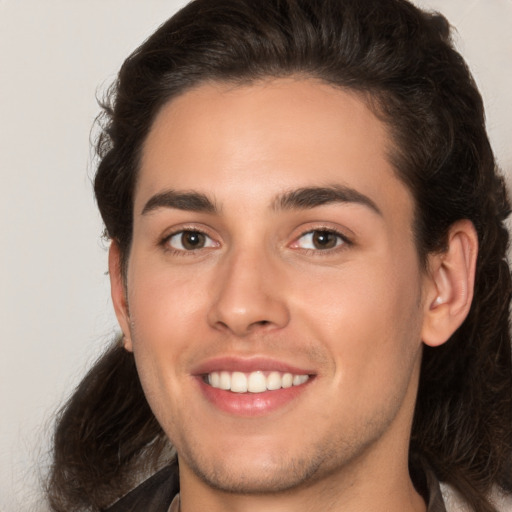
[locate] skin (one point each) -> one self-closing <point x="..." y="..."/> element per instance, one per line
<point x="353" y="315"/>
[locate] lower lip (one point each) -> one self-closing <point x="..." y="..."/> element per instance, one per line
<point x="251" y="404"/>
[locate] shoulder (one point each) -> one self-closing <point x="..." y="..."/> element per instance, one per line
<point x="155" y="494"/>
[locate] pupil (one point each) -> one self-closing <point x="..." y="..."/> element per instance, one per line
<point x="324" y="240"/>
<point x="192" y="240"/>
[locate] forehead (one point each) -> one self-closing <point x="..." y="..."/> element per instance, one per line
<point x="262" y="139"/>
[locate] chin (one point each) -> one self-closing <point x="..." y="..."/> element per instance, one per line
<point x="256" y="479"/>
<point x="265" y="472"/>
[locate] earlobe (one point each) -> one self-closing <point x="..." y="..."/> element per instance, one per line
<point x="450" y="284"/>
<point x="118" y="293"/>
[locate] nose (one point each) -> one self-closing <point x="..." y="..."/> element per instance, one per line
<point x="249" y="295"/>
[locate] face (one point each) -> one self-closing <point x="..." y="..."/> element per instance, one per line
<point x="274" y="299"/>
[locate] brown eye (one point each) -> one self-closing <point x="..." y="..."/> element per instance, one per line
<point x="320" y="239"/>
<point x="325" y="239"/>
<point x="190" y="241"/>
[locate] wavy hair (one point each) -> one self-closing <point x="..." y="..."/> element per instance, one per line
<point x="403" y="64"/>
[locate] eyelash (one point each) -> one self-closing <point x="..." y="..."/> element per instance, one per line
<point x="341" y="243"/>
<point x="165" y="242"/>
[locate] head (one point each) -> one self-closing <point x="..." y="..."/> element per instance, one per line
<point x="399" y="64"/>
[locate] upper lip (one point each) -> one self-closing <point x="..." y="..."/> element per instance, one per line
<point x="247" y="365"/>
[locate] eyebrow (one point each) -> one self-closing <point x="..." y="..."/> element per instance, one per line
<point x="189" y="201"/>
<point x="312" y="197"/>
<point x="298" y="199"/>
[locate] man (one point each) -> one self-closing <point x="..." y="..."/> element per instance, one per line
<point x="307" y="265"/>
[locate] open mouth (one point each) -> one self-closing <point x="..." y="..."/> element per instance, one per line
<point x="254" y="382"/>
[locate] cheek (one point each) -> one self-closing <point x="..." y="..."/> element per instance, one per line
<point x="163" y="303"/>
<point x="165" y="311"/>
<point x="164" y="315"/>
<point x="367" y="316"/>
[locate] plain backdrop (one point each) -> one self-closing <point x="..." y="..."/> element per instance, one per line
<point x="56" y="56"/>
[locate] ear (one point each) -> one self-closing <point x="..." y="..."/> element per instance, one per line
<point x="118" y="293"/>
<point x="450" y="286"/>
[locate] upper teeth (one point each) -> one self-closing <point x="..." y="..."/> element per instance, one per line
<point x="254" y="382"/>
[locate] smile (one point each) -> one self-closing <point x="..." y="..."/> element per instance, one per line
<point x="254" y="382"/>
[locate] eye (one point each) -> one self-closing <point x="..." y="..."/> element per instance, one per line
<point x="189" y="240"/>
<point x="320" y="239"/>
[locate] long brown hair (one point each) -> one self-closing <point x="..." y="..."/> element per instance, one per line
<point x="403" y="64"/>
